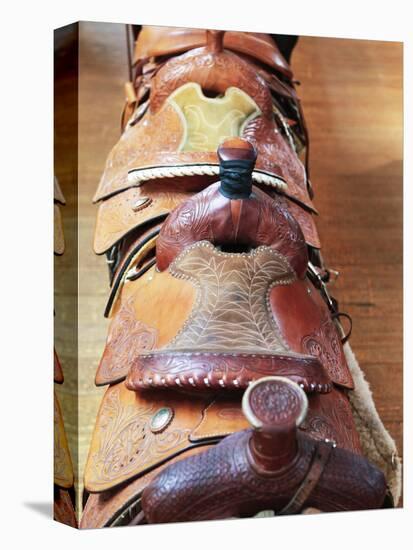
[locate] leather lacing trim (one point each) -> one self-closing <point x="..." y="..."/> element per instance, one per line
<point x="138" y="176"/>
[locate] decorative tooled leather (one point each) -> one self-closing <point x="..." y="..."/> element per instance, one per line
<point x="116" y="506"/>
<point x="231" y="336"/>
<point x="305" y="219"/>
<point x="223" y="370"/>
<point x="215" y="72"/>
<point x="208" y="216"/>
<point x="329" y="417"/>
<point x="157" y="139"/>
<point x="276" y="155"/>
<point x="214" y="344"/>
<point x="305" y="323"/>
<point x="119" y="215"/>
<point x="127" y="338"/>
<point x="123" y="425"/>
<point x="222" y="482"/>
<point x="123" y="444"/>
<point x="131" y="209"/>
<point x="154" y="140"/>
<point x="232" y="311"/>
<point x="326" y="346"/>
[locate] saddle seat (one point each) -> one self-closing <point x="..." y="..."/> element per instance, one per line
<point x="242" y="253"/>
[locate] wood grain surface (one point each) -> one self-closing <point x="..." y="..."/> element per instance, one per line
<point x="351" y="92"/>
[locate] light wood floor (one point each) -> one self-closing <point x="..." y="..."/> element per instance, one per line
<point x="352" y="98"/>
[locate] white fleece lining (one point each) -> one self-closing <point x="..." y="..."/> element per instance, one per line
<point x="377" y="444"/>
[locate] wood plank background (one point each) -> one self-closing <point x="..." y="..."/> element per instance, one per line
<point x="351" y="92"/>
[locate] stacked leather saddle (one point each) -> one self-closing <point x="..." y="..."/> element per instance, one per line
<point x="227" y="384"/>
<point x="63" y="483"/>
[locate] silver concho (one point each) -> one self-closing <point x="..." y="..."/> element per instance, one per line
<point x="161" y="419"/>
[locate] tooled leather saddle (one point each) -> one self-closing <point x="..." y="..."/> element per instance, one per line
<point x="63" y="482"/>
<point x="228" y="388"/>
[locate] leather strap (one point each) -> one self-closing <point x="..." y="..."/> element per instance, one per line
<point x="337" y="316"/>
<point x="137" y="254"/>
<point x="321" y="456"/>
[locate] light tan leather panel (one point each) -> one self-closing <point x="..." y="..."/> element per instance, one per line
<point x="145" y="144"/>
<point x="151" y="311"/>
<point x="124" y="446"/>
<point x="59" y="241"/>
<point x="232" y="312"/>
<point x="222" y="417"/>
<point x="102" y="509"/>
<point x="123" y="212"/>
<point x="63" y="468"/>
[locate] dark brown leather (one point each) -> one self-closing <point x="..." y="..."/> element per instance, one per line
<point x="230" y="371"/>
<point x="223" y="479"/>
<point x="246" y="224"/>
<point x="270" y="468"/>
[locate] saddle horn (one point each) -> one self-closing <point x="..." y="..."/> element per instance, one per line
<point x="233" y="214"/>
<point x="269" y="467"/>
<point x="237" y="159"/>
<point x="274" y="406"/>
<point x="215" y="41"/>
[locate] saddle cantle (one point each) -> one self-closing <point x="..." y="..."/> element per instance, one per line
<point x="218" y="291"/>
